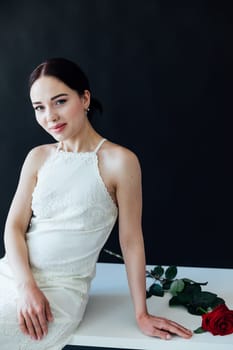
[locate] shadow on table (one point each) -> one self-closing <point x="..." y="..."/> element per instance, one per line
<point x="71" y="347"/>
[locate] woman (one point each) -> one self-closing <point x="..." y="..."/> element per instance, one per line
<point x="69" y="196"/>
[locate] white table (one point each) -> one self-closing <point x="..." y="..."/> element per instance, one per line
<point x="109" y="318"/>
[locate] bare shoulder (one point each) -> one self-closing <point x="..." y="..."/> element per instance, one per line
<point x="119" y="160"/>
<point x="38" y="155"/>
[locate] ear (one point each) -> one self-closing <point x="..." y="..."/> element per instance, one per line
<point x="86" y="98"/>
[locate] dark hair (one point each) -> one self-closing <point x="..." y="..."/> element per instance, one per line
<point x="70" y="74"/>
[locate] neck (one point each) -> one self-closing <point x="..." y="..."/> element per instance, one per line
<point x="85" y="142"/>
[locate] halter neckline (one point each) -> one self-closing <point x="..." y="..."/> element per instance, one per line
<point x="59" y="148"/>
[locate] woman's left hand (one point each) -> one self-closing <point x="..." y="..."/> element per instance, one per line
<point x="161" y="327"/>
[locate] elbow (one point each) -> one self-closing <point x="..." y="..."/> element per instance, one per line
<point x="131" y="242"/>
<point x="13" y="229"/>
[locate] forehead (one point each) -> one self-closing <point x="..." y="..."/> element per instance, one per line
<point x="46" y="87"/>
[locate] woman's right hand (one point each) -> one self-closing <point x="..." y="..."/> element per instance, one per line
<point x="33" y="311"/>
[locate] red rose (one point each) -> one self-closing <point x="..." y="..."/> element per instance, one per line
<point x="219" y="321"/>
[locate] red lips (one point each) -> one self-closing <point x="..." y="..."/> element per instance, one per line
<point x="58" y="127"/>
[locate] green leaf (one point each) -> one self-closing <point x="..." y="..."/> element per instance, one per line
<point x="156" y="289"/>
<point x="203" y="301"/>
<point x="185" y="297"/>
<point x="179" y="299"/>
<point x="217" y="302"/>
<point x="204" y="298"/>
<point x="187" y="280"/>
<point x="177" y="286"/>
<point x="191" y="289"/>
<point x="199" y="330"/>
<point x="195" y="309"/>
<point x="166" y="284"/>
<point x="148" y="294"/>
<point x="157" y="271"/>
<point x="171" y="272"/>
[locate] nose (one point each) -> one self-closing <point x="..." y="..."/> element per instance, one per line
<point x="51" y="115"/>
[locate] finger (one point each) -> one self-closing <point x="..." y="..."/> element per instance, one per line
<point x="174" y="328"/>
<point x="180" y="329"/>
<point x="22" y="324"/>
<point x="37" y="327"/>
<point x="48" y="312"/>
<point x="29" y="326"/>
<point x="161" y="334"/>
<point x="43" y="322"/>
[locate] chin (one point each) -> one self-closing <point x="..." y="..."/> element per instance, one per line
<point x="58" y="137"/>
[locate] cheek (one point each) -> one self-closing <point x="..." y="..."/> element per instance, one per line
<point x="76" y="111"/>
<point x="40" y="121"/>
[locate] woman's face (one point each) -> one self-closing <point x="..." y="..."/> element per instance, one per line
<point x="59" y="110"/>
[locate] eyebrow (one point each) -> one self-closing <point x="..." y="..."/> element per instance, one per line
<point x="52" y="98"/>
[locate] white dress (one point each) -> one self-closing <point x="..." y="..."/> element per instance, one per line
<point x="73" y="215"/>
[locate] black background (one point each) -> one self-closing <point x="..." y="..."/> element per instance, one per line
<point x="162" y="70"/>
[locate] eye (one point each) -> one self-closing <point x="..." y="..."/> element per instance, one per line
<point x="60" y="101"/>
<point x="38" y="108"/>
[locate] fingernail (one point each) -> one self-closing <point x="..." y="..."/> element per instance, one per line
<point x="168" y="336"/>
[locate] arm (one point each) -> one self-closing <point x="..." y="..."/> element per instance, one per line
<point x="33" y="308"/>
<point x="129" y="198"/>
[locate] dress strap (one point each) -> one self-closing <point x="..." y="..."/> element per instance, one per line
<point x="59" y="146"/>
<point x="99" y="145"/>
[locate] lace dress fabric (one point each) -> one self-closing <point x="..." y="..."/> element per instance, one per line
<point x="73" y="215"/>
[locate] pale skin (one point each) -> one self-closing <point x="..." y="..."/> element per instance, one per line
<point x="62" y="113"/>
